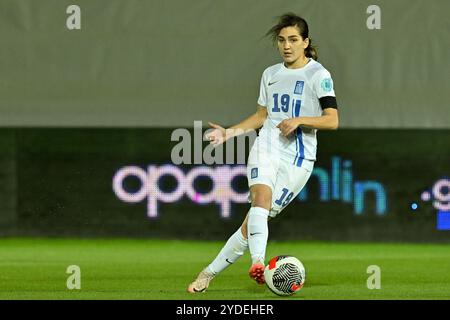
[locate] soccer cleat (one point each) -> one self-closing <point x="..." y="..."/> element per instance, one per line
<point x="201" y="283"/>
<point x="256" y="272"/>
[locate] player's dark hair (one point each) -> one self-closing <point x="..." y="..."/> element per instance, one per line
<point x="292" y="20"/>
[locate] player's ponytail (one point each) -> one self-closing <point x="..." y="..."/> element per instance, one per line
<point x="292" y="20"/>
<point x="311" y="51"/>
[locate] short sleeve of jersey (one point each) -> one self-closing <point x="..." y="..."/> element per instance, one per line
<point x="323" y="84"/>
<point x="262" y="100"/>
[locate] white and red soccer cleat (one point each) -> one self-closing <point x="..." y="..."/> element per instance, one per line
<point x="256" y="272"/>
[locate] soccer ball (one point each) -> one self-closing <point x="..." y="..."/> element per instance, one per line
<point x="284" y="275"/>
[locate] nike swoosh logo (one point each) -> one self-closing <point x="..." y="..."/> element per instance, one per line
<point x="271" y="83"/>
<point x="252" y="234"/>
<point x="228" y="261"/>
<point x="199" y="290"/>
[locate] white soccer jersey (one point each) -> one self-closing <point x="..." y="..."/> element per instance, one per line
<point x="288" y="93"/>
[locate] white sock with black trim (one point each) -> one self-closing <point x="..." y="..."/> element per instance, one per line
<point x="258" y="232"/>
<point x="231" y="251"/>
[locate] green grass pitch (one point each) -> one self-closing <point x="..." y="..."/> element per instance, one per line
<point x="162" y="269"/>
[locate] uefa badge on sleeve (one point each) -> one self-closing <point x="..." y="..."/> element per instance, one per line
<point x="327" y="85"/>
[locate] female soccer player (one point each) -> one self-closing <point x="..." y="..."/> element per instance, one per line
<point x="296" y="99"/>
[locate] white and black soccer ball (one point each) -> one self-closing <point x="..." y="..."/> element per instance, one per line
<point x="284" y="275"/>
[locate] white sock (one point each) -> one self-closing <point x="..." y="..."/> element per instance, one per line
<point x="231" y="251"/>
<point x="258" y="232"/>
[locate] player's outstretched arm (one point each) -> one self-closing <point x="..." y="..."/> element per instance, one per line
<point x="220" y="134"/>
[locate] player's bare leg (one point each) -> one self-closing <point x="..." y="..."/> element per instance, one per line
<point x="257" y="229"/>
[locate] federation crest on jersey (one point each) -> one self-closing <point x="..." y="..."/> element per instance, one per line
<point x="254" y="173"/>
<point x="299" y="87"/>
<point x="327" y="85"/>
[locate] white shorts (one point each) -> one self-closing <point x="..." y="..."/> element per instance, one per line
<point x="284" y="178"/>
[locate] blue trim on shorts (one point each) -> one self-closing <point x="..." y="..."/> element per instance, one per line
<point x="302" y="148"/>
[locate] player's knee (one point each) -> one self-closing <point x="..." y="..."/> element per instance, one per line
<point x="262" y="200"/>
<point x="244" y="229"/>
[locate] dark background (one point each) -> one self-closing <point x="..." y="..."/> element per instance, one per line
<point x="58" y="182"/>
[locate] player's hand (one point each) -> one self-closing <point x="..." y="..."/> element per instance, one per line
<point x="216" y="136"/>
<point x="287" y="126"/>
